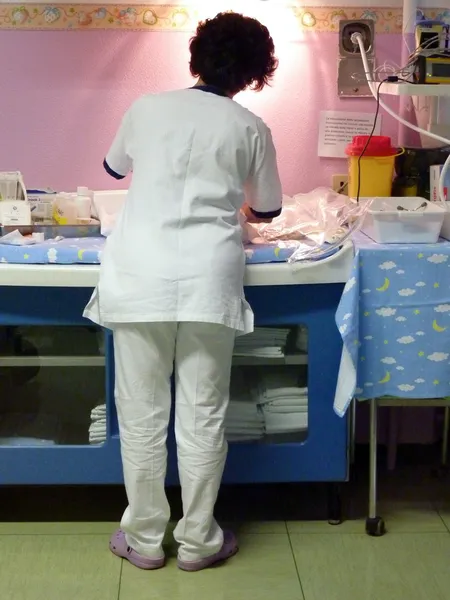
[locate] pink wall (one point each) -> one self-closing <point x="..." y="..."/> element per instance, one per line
<point x="63" y="94"/>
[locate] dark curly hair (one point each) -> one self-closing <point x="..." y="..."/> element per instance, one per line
<point x="233" y="52"/>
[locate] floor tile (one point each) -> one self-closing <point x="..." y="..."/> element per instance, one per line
<point x="64" y="528"/>
<point x="395" y="567"/>
<point x="40" y="567"/>
<point x="264" y="569"/>
<point x="400" y="517"/>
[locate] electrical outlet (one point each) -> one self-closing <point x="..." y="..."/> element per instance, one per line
<point x="339" y="184"/>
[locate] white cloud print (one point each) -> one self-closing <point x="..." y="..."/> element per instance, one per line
<point x="388" y="265"/>
<point x="406" y="292"/>
<point x="400" y="319"/>
<point x="366" y="291"/>
<point x="442" y="308"/>
<point x="400" y="272"/>
<point x="405" y="387"/>
<point x="438" y="356"/>
<point x="368" y="337"/>
<point x="421" y="284"/>
<point x="437" y="259"/>
<point x="406" y="339"/>
<point x="388" y="360"/>
<point x="386" y="311"/>
<point x="400" y="368"/>
<point x="420" y="333"/>
<point x="343" y="329"/>
<point x="347" y="316"/>
<point x="350" y="284"/>
<point x="420" y="380"/>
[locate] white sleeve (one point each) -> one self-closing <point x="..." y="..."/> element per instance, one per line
<point x="118" y="162"/>
<point x="263" y="190"/>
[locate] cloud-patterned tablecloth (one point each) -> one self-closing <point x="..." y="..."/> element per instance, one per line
<point x="394" y="319"/>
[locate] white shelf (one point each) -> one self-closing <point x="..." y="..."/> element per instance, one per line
<point x="255" y="361"/>
<point x="413" y="89"/>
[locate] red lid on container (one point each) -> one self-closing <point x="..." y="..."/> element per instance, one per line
<point x="379" y="145"/>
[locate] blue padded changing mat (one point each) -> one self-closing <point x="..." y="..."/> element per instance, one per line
<point x="88" y="251"/>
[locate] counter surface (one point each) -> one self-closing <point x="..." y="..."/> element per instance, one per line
<point x="334" y="269"/>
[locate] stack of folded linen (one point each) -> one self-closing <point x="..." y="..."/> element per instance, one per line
<point x="97" y="429"/>
<point x="244" y="421"/>
<point x="283" y="403"/>
<point x="263" y="342"/>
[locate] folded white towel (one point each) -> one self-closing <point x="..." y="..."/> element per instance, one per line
<point x="285" y="423"/>
<point x="97" y="428"/>
<point x="280" y="409"/>
<point x="98" y="412"/>
<point x="261" y="352"/>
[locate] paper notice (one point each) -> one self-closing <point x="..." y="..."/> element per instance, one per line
<point x="337" y="129"/>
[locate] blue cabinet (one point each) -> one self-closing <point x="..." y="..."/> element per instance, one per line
<point x="74" y="371"/>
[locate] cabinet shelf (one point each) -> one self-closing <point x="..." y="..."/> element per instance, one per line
<point x="52" y="361"/>
<point x="288" y="359"/>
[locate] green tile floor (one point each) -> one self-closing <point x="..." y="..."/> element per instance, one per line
<point x="56" y="559"/>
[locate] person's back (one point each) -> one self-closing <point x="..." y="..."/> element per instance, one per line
<point x="192" y="153"/>
<point x="172" y="283"/>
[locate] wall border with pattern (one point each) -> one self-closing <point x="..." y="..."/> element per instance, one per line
<point x="138" y="17"/>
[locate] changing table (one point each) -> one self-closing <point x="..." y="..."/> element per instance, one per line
<point x="54" y="295"/>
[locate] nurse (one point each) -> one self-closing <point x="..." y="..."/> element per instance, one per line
<point x="171" y="283"/>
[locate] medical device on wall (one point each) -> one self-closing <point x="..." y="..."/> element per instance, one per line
<point x="432" y="35"/>
<point x="433" y="69"/>
<point x="351" y="74"/>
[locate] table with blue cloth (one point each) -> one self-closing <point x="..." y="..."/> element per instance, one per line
<point x="394" y="319"/>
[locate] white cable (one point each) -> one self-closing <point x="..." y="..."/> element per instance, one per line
<point x="358" y="39"/>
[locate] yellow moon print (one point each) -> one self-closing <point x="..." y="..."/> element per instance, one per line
<point x="386" y="378"/>
<point x="437" y="327"/>
<point x="385" y="285"/>
<point x="80" y="254"/>
<point x="277" y="252"/>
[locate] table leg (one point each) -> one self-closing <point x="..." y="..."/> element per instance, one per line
<point x="334" y="504"/>
<point x="374" y="525"/>
<point x="352" y="431"/>
<point x="445" y="436"/>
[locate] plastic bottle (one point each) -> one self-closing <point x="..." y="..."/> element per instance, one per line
<point x="64" y="210"/>
<point x="83" y="203"/>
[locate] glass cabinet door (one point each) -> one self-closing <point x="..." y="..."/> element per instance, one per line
<point x="52" y="386"/>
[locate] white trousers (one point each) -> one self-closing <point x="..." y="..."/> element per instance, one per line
<point x="144" y="358"/>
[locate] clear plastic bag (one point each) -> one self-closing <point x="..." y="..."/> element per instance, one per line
<point x="313" y="224"/>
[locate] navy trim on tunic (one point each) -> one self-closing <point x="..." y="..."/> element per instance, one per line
<point x="212" y="89"/>
<point x="266" y="215"/>
<point x="111" y="172"/>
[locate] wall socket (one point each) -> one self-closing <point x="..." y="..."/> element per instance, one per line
<point x="339" y="183"/>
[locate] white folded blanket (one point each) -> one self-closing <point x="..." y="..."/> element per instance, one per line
<point x="285" y="409"/>
<point x="292" y="396"/>
<point x="285" y="423"/>
<point x="99" y="412"/>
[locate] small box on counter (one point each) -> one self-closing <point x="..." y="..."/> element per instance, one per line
<point x="15" y="212"/>
<point x="435" y="174"/>
<point x="41" y="205"/>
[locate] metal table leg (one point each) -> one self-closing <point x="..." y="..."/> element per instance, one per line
<point x="352" y="431"/>
<point x="374" y="525"/>
<point x="445" y="436"/>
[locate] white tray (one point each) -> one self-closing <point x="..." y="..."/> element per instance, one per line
<point x="385" y="224"/>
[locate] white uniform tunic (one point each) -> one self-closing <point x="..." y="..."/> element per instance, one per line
<point x="176" y="252"/>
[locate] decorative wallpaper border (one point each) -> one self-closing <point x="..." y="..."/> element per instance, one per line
<point x="37" y="16"/>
